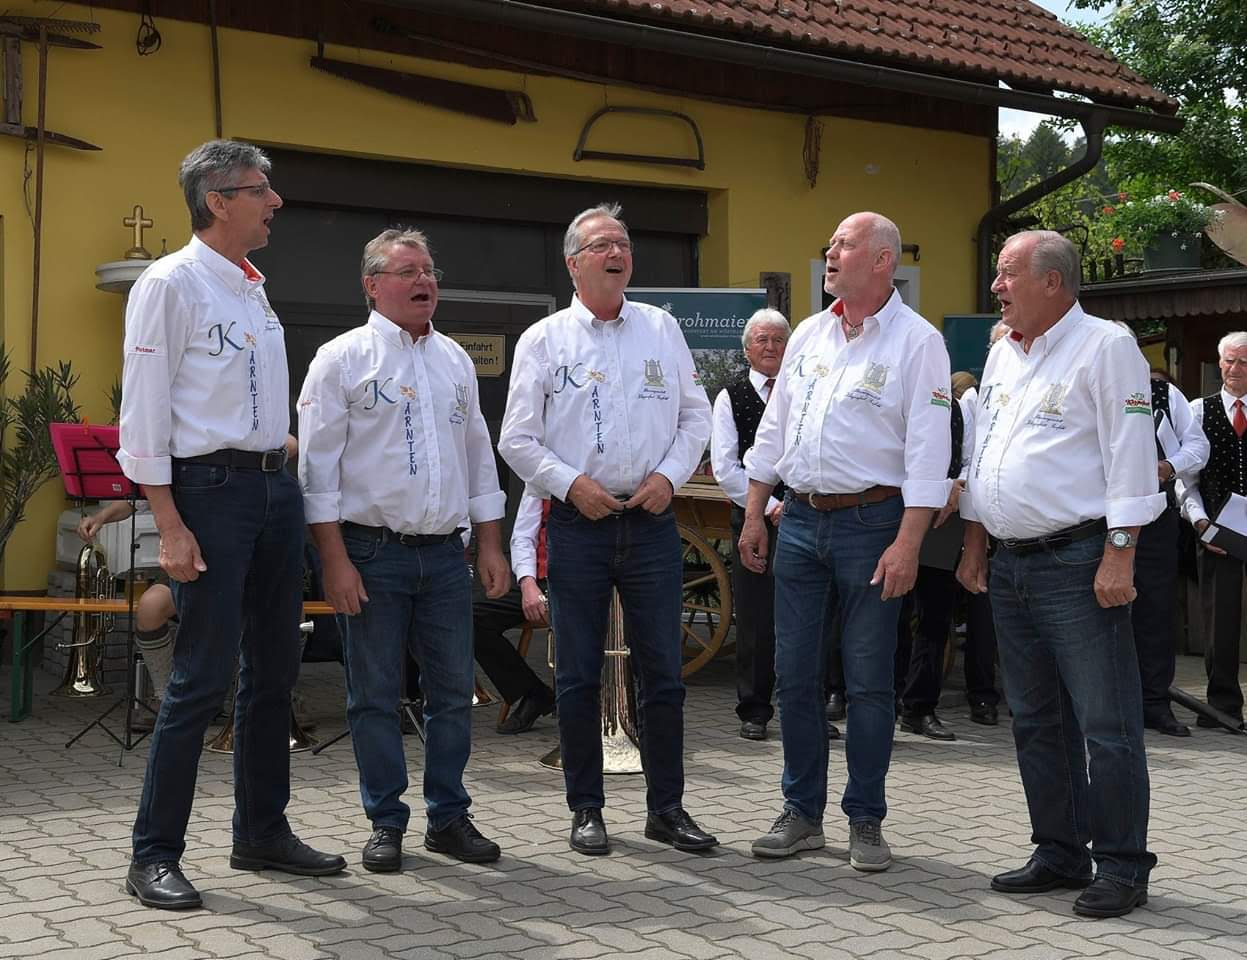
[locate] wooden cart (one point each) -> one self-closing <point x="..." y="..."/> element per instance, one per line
<point x="703" y="514"/>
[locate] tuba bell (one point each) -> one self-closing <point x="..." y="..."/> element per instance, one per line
<point x="84" y="670"/>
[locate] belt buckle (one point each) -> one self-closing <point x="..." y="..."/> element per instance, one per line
<point x="278" y="460"/>
<point x="809" y="498"/>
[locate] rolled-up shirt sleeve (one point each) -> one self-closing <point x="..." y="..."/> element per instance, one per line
<point x="1187" y="488"/>
<point x="486" y="501"/>
<point x="1127" y="439"/>
<point x="693" y="423"/>
<point x="323" y="416"/>
<point x="522" y="439"/>
<point x="156" y="334"/>
<point x="524" y="537"/>
<point x="928" y="432"/>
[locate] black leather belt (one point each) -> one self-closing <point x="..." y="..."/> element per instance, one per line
<point x="1062" y="538"/>
<point x="385" y="534"/>
<point x="269" y="461"/>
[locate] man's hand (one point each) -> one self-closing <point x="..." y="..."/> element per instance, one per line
<point x="591" y="499"/>
<point x="897" y="569"/>
<point x="1114" y="580"/>
<point x="776" y="514"/>
<point x="1164" y="470"/>
<point x="1200" y="527"/>
<point x="754" y="543"/>
<point x="653" y="495"/>
<point x="344" y="588"/>
<point x="492" y="567"/>
<point x="954" y="498"/>
<point x="88" y="527"/>
<point x="179" y="554"/>
<point x="972" y="568"/>
<point x="536" y="609"/>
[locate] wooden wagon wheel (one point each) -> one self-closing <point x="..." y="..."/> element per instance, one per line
<point x="707" y="614"/>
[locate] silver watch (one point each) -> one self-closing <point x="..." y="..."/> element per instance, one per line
<point x="1121" y="539"/>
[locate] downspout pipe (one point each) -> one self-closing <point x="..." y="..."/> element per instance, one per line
<point x="1093" y="131"/>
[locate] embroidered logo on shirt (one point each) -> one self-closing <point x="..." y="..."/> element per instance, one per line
<point x="459" y="410"/>
<point x="222" y="336"/>
<point x="1138" y="403"/>
<point x="407" y="392"/>
<point x="940" y="398"/>
<point x="409" y="437"/>
<point x="818" y="370"/>
<point x="250" y="340"/>
<point x="872" y="385"/>
<point x="1050" y="412"/>
<point x="653" y="374"/>
<point x="374" y="393"/>
<point x="575" y="375"/>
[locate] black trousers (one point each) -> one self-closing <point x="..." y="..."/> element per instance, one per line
<point x="1152" y="613"/>
<point x="1221" y="597"/>
<point x="753" y="601"/>
<point x="501" y="662"/>
<point x="980" y="652"/>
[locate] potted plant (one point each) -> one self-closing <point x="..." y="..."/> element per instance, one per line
<point x="1168" y="228"/>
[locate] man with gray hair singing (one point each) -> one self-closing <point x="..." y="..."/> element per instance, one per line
<point x="204" y="415"/>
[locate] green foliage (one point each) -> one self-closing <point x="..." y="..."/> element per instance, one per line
<point x="1138" y="221"/>
<point x="27" y="460"/>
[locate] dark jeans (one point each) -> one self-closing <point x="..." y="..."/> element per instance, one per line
<point x="638" y="554"/>
<point x="1221" y="597"/>
<point x="753" y="601"/>
<point x="249" y="526"/>
<point x="498" y="658"/>
<point x="419" y="604"/>
<point x="1152" y="613"/>
<point x="1073" y="685"/>
<point x="823" y="566"/>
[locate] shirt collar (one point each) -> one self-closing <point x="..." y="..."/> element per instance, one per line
<point x="391" y="331"/>
<point x="883" y="316"/>
<point x="758" y="379"/>
<point x="231" y="274"/>
<point x="588" y="320"/>
<point x="1228" y="399"/>
<point x="1055" y="333"/>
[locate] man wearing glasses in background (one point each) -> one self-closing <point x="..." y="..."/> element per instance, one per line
<point x="204" y="418"/>
<point x="396" y="462"/>
<point x="605" y="414"/>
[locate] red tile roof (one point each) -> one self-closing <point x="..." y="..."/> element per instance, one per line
<point x="1008" y="40"/>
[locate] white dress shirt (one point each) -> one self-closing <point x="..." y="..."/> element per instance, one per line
<point x="1187" y="490"/>
<point x="204" y="366"/>
<point x="847" y="415"/>
<point x="524" y="537"/>
<point x="725" y="445"/>
<point x="391" y="434"/>
<point x="615" y="400"/>
<point x="969" y="403"/>
<point x="1064" y="433"/>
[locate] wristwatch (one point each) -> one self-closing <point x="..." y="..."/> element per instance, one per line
<point x="1121" y="539"/>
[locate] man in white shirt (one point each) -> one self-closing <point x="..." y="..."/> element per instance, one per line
<point x="395" y="464"/>
<point x="606" y="415"/>
<point x="1063" y="476"/>
<point x="1224" y="422"/>
<point x="737" y="413"/>
<point x="858" y="430"/>
<point x="204" y="413"/>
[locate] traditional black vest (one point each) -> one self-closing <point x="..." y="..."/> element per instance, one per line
<point x="747" y="409"/>
<point x="959" y="432"/>
<point x="1226" y="471"/>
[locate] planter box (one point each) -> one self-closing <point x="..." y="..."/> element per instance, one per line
<point x="1172" y="254"/>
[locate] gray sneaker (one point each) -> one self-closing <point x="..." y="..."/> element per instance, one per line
<point x="867" y="848"/>
<point x="790" y="833"/>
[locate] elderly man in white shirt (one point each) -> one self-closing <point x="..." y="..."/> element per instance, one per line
<point x="737" y="413"/>
<point x="858" y="429"/>
<point x="606" y="416"/>
<point x="204" y="415"/>
<point x="1063" y="476"/>
<point x="396" y="464"/>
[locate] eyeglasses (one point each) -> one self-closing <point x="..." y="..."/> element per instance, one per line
<point x="257" y="190"/>
<point x="409" y="273"/>
<point x="602" y="245"/>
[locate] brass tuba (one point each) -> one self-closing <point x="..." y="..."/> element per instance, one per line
<point x="84" y="671"/>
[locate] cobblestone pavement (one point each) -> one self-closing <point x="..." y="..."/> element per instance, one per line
<point x="957" y="816"/>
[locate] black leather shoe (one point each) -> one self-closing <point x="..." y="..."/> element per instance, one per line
<point x="1107" y="898"/>
<point x="1035" y="878"/>
<point x="589" y="832"/>
<point x="1168" y="725"/>
<point x="161" y="885"/>
<point x="985" y="713"/>
<point x="289" y="854"/>
<point x="460" y="839"/>
<point x="927" y="725"/>
<point x="526" y="710"/>
<point x="383" y="853"/>
<point x="753" y="729"/>
<point x="835" y="706"/>
<point x="678" y="829"/>
<point x="1202" y="721"/>
<point x="833" y="732"/>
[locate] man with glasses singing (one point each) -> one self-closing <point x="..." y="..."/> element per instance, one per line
<point x="396" y="462"/>
<point x="204" y="417"/>
<point x="606" y="415"/>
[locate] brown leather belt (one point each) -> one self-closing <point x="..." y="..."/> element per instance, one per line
<point x="839" y="501"/>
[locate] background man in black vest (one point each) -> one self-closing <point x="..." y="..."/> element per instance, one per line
<point x="737" y="413"/>
<point x="1224" y="421"/>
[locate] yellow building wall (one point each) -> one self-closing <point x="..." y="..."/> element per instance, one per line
<point x="148" y="112"/>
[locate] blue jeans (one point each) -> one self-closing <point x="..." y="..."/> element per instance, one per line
<point x="823" y="566"/>
<point x="1072" y="680"/>
<point x="249" y="526"/>
<point x="419" y="600"/>
<point x="638" y="554"/>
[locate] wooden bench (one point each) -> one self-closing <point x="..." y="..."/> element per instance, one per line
<point x="21" y="607"/>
